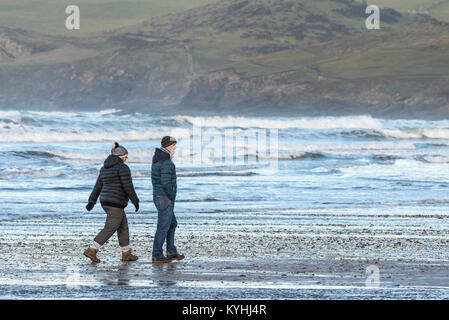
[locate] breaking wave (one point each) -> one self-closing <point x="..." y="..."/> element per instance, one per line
<point x="284" y="123"/>
<point x="420" y="133"/>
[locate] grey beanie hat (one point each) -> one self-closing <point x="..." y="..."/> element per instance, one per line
<point x="167" y="141"/>
<point x="118" y="150"/>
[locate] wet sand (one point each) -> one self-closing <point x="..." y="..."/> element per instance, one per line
<point x="226" y="258"/>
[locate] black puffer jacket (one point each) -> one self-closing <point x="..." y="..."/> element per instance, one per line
<point x="114" y="184"/>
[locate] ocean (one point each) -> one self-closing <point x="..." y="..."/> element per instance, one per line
<point x="319" y="189"/>
<point x="50" y="161"/>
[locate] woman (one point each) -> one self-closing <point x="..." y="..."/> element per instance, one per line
<point x="115" y="188"/>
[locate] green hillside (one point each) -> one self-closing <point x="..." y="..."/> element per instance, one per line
<point x="259" y="55"/>
<point x="401" y="5"/>
<point x="48" y="16"/>
<point x="439" y="9"/>
<point x="231" y="31"/>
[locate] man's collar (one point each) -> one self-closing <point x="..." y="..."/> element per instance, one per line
<point x="165" y="150"/>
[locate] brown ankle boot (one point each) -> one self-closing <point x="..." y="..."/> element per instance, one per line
<point x="92" y="254"/>
<point x="127" y="256"/>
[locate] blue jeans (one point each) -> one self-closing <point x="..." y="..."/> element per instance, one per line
<point x="166" y="225"/>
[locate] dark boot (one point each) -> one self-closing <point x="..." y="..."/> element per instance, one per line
<point x="92" y="254"/>
<point x="127" y="256"/>
<point x="175" y="256"/>
<point x="161" y="260"/>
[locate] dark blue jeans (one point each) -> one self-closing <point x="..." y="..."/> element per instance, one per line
<point x="166" y="225"/>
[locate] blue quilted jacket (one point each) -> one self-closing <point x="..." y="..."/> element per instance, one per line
<point x="163" y="175"/>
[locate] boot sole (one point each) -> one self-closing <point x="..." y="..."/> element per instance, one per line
<point x="161" y="262"/>
<point x="130" y="259"/>
<point x="176" y="258"/>
<point x="93" y="260"/>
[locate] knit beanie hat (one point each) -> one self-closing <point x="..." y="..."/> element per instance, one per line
<point x="167" y="141"/>
<point x="118" y="150"/>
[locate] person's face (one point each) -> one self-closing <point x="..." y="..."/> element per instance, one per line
<point x="124" y="158"/>
<point x="171" y="147"/>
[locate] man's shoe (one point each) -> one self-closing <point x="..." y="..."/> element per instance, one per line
<point x="161" y="260"/>
<point x="92" y="254"/>
<point x="127" y="256"/>
<point x="175" y="256"/>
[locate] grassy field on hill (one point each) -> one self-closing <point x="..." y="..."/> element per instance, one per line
<point x="48" y="16"/>
<point x="229" y="53"/>
<point x="398" y="53"/>
<point x="218" y="38"/>
<point x="400" y="5"/>
<point x="439" y="9"/>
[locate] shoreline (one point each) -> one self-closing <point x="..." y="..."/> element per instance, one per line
<point x="286" y="279"/>
<point x="44" y="260"/>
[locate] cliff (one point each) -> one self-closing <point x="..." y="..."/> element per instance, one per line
<point x="233" y="57"/>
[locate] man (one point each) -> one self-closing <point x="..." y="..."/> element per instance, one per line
<point x="115" y="188"/>
<point x="163" y="178"/>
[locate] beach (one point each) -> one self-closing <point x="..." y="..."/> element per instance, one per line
<point x="303" y="214"/>
<point x="44" y="260"/>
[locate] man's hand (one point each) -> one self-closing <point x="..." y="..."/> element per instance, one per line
<point x="90" y="206"/>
